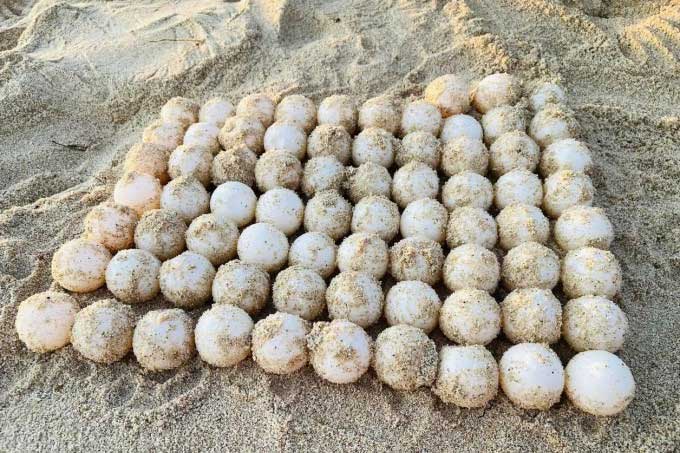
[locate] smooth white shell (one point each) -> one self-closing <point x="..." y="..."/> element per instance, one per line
<point x="495" y="90"/>
<point x="590" y="271"/>
<point x="80" y="265"/>
<point x="43" y="322"/>
<point x="138" y="191"/>
<point x="567" y="154"/>
<point x="264" y="245"/>
<point x="544" y="94"/>
<point x="450" y="93"/>
<point x="414" y="181"/>
<point x="222" y="335"/>
<point x="426" y="218"/>
<point x="187" y="197"/>
<point x="518" y="186"/>
<point x="467" y="376"/>
<point x="233" y="201"/>
<point x="204" y="135"/>
<point x="193" y="161"/>
<point x="338" y="110"/>
<point x="461" y="126"/>
<point x="314" y="250"/>
<point x="280" y="343"/>
<point x="298" y="110"/>
<point x="288" y="137"/>
<point x="413" y="303"/>
<point x="215" y="111"/>
<point x="281" y="208"/>
<point x="340" y="351"/>
<point x="378" y="215"/>
<point x="583" y="226"/>
<point x="422" y="116"/>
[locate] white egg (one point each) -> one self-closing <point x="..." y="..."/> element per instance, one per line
<point x="599" y="383"/>
<point x="280" y="343"/>
<point x="164" y="339"/>
<point x="258" y="105"/>
<point x="417" y="258"/>
<point x="544" y="94"/>
<point x="532" y="315"/>
<point x="470" y="316"/>
<point x="233" y="201"/>
<point x="138" y="191"/>
<point x="281" y="208"/>
<point x="148" y="158"/>
<point x="44" y="320"/>
<point x="518" y="186"/>
<point x="471" y="266"/>
<point x="323" y="173"/>
<point x="288" y="137"/>
<point x="166" y="135"/>
<point x="496" y="90"/>
<point x="80" y="265"/>
<point x="565" y="189"/>
<point x="426" y="218"/>
<point x="112" y="225"/>
<point x="243" y="285"/>
<point x="421" y="115"/>
<point x="102" y="332"/>
<point x="327" y="139"/>
<point x="328" y="212"/>
<point x="467" y="189"/>
<point x="378" y="215"/>
<point x="338" y="110"/>
<point x="419" y="146"/>
<point x="450" y="93"/>
<point x="467" y="376"/>
<point x="368" y="179"/>
<point x="590" y="271"/>
<point x="180" y="110"/>
<point x="461" y="125"/>
<point x="531" y="376"/>
<point x="355" y="296"/>
<point x="567" y="154"/>
<point x="204" y="135"/>
<point x="214" y="239"/>
<point x="382" y="112"/>
<point x="374" y="145"/>
<point x="234" y="164"/>
<point x="519" y="223"/>
<point x="216" y="111"/>
<point x="161" y="232"/>
<point x="364" y="252"/>
<point x="413" y="303"/>
<point x="530" y="265"/>
<point x="278" y="168"/>
<point x="414" y="181"/>
<point x="551" y="124"/>
<point x="339" y="351"/>
<point x="405" y="358"/>
<point x="470" y="225"/>
<point x="193" y="161"/>
<point x="264" y="245"/>
<point x="187" y="197"/>
<point x="298" y="110"/>
<point x="242" y="130"/>
<point x="314" y="250"/>
<point x="132" y="276"/>
<point x="511" y="151"/>
<point x="501" y="120"/>
<point x="594" y="322"/>
<point x="223" y="335"/>
<point x="299" y="291"/>
<point x="186" y="280"/>
<point x="583" y="226"/>
<point x="464" y="154"/>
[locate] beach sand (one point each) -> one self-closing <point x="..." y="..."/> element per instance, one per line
<point x="80" y="80"/>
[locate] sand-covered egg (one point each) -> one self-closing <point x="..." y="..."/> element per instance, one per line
<point x="545" y="94"/>
<point x="495" y="90"/>
<point x="382" y="112"/>
<point x="281" y="208"/>
<point x="234" y="164"/>
<point x="583" y="226"/>
<point x="44" y="320"/>
<point x="467" y="189"/>
<point x="338" y="110"/>
<point x="257" y="105"/>
<point x="164" y="339"/>
<point x="519" y="223"/>
<point x="368" y="179"/>
<point x="215" y="111"/>
<point x="425" y="218"/>
<point x="594" y="322"/>
<point x="461" y="125"/>
<point x="414" y="181"/>
<point x="323" y="173"/>
<point x="590" y="271"/>
<point x="161" y="232"/>
<point x="339" y="351"/>
<point x="417" y="258"/>
<point x="553" y="123"/>
<point x="214" y="239"/>
<point x="112" y="225"/>
<point x="328" y="212"/>
<point x="470" y="316"/>
<point x="186" y="196"/>
<point x="355" y="296"/>
<point x="363" y="252"/>
<point x="148" y="158"/>
<point x="192" y="160"/>
<point x="471" y="266"/>
<point x="470" y="225"/>
<point x="264" y="245"/>
<point x="166" y="135"/>
<point x="298" y="110"/>
<point x="186" y="280"/>
<point x="532" y="315"/>
<point x="234" y="201"/>
<point x="419" y="146"/>
<point x="314" y="250"/>
<point x="102" y="332"/>
<point x="79" y="265"/>
<point x="464" y="154"/>
<point x="531" y="376"/>
<point x="513" y="150"/>
<point x="405" y="358"/>
<point x="450" y="93"/>
<point x="519" y="186"/>
<point x="243" y="285"/>
<point x="467" y="376"/>
<point x="242" y="130"/>
<point x="299" y="291"/>
<point x="278" y="168"/>
<point x="180" y="110"/>
<point x="565" y="189"/>
<point x="413" y="303"/>
<point x="530" y="265"/>
<point x="204" y="135"/>
<point x="599" y="383"/>
<point x="501" y="120"/>
<point x="566" y="154"/>
<point x="223" y="335"/>
<point x="421" y="115"/>
<point x="138" y="191"/>
<point x="132" y="276"/>
<point x="280" y="343"/>
<point x="286" y="136"/>
<point x="374" y="145"/>
<point x="327" y="139"/>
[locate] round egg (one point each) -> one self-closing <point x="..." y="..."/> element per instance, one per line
<point x="328" y="212"/>
<point x="281" y="208"/>
<point x="405" y="358"/>
<point x="102" y="332"/>
<point x="80" y="265"/>
<point x="44" y="320"/>
<point x="374" y="145"/>
<point x="323" y="173"/>
<point x="368" y="179"/>
<point x="278" y="168"/>
<point x="162" y="233"/>
<point x="257" y="105"/>
<point x="138" y="191"/>
<point x="450" y="93"/>
<point x="594" y="322"/>
<point x="187" y="197"/>
<point x="590" y="271"/>
<point x="519" y="223"/>
<point x="414" y="181"/>
<point x="518" y="186"/>
<point x="203" y="135"/>
<point x="471" y="266"/>
<point x="583" y="226"/>
<point x="280" y="343"/>
<point x="467" y="189"/>
<point x="180" y="110"/>
<point x="242" y="130"/>
<point x="382" y="112"/>
<point x="421" y="147"/>
<point x="243" y="285"/>
<point x="531" y="376"/>
<point x="413" y="303"/>
<point x="298" y="110"/>
<point x="376" y="214"/>
<point x="339" y="351"/>
<point x="215" y="111"/>
<point x="214" y="239"/>
<point x="470" y="316"/>
<point x="551" y="124"/>
<point x="464" y="154"/>
<point x="186" y="280"/>
<point x="233" y="201"/>
<point x="112" y="225"/>
<point x="364" y="252"/>
<point x="193" y="161"/>
<point x="501" y="120"/>
<point x="132" y="276"/>
<point x="164" y="339"/>
<point x="422" y="116"/>
<point x="417" y="258"/>
<point x="532" y="315"/>
<point x="356" y="297"/>
<point x="469" y="225"/>
<point x="530" y="265"/>
<point x="599" y="383"/>
<point x="288" y="137"/>
<point x="461" y="125"/>
<point x="223" y="335"/>
<point x="264" y="245"/>
<point x="565" y="189"/>
<point x="327" y="139"/>
<point x="148" y="158"/>
<point x="299" y="291"/>
<point x="566" y="154"/>
<point x="467" y="376"/>
<point x="338" y="110"/>
<point x="545" y="94"/>
<point x="496" y="90"/>
<point x="511" y="151"/>
<point x="314" y="250"/>
<point x="235" y="164"/>
<point x="426" y="218"/>
<point x="166" y="135"/>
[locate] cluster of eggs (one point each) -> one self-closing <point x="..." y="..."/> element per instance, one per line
<point x="169" y="234"/>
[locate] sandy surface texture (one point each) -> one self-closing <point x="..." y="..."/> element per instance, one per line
<point x="80" y="80"/>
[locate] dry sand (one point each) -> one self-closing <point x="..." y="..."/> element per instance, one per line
<point x="80" y="80"/>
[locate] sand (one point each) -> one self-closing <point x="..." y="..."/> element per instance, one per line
<point x="80" y="80"/>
